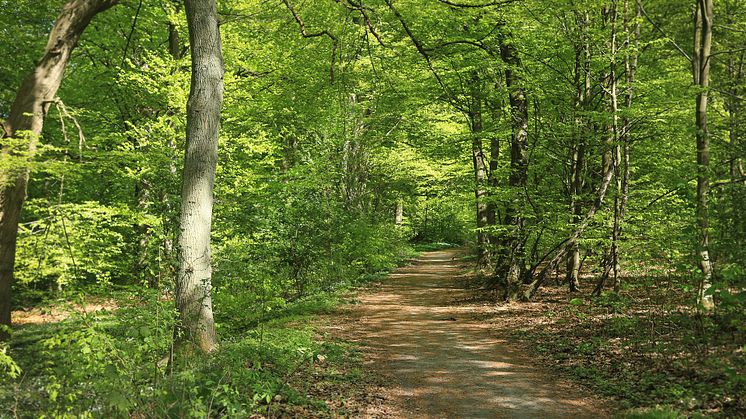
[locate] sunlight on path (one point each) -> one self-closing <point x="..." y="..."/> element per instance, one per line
<point x="437" y="362"/>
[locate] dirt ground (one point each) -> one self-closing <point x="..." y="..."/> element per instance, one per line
<point x="59" y="312"/>
<point x="433" y="357"/>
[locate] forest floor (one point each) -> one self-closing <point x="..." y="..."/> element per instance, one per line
<point x="424" y="339"/>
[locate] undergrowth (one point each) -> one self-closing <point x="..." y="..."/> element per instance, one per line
<point x="117" y="363"/>
<point x="648" y="347"/>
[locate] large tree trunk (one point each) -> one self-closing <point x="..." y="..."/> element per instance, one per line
<point x="514" y="265"/>
<point x="25" y="123"/>
<point x="194" y="280"/>
<point x="701" y="71"/>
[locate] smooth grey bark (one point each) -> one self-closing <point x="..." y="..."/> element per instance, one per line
<point x="194" y="278"/>
<point x="24" y="125"/>
<point x="701" y="61"/>
<point x="613" y="154"/>
<point x="632" y="40"/>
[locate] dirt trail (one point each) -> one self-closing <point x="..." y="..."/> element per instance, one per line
<point x="436" y="361"/>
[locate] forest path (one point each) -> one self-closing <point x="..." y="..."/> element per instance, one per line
<point x="434" y="359"/>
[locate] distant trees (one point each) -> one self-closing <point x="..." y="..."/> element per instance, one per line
<point x="591" y="72"/>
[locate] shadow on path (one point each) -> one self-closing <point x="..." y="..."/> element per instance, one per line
<point x="437" y="362"/>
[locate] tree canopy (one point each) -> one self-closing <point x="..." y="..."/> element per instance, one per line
<point x="598" y="142"/>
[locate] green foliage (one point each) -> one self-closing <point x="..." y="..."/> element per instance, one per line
<point x="115" y="363"/>
<point x="654" y="413"/>
<point x="8" y="367"/>
<point x="320" y="142"/>
<point x="78" y="245"/>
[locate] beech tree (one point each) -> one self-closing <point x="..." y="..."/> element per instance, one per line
<point x="24" y="125"/>
<point x="701" y="62"/>
<point x="552" y="140"/>
<point x="513" y="266"/>
<point x="194" y="281"/>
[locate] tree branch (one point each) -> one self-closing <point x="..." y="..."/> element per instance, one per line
<point x="472" y="6"/>
<point x="424" y="52"/>
<point x="132" y="31"/>
<point x="681" y="50"/>
<point x="358" y="6"/>
<point x="305" y="34"/>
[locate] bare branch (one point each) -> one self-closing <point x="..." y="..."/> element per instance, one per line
<point x="132" y="32"/>
<point x="477" y="44"/>
<point x="363" y="10"/>
<point x="305" y="34"/>
<point x="478" y="5"/>
<point x="681" y="50"/>
<point x="424" y="52"/>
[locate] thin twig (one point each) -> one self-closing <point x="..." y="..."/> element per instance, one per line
<point x="471" y="6"/>
<point x="424" y="52"/>
<point x="132" y="31"/>
<point x="655" y="25"/>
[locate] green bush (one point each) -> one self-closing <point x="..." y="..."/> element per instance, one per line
<point x="78" y="245"/>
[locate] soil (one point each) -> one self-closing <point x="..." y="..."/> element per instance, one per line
<point x="425" y="341"/>
<point x="60" y="312"/>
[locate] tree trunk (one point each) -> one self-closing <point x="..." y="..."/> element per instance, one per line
<point x="399" y="216"/>
<point x="174" y="37"/>
<point x="514" y="265"/>
<point x="577" y="158"/>
<point x="613" y="155"/>
<point x="630" y="69"/>
<point x="701" y="70"/>
<point x="733" y="104"/>
<point x="193" y="284"/>
<point x="169" y="215"/>
<point x="492" y="181"/>
<point x="531" y="289"/>
<point x="492" y="185"/>
<point x="480" y="174"/>
<point x="25" y="122"/>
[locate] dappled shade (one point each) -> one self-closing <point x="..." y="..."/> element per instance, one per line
<point x="439" y="362"/>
